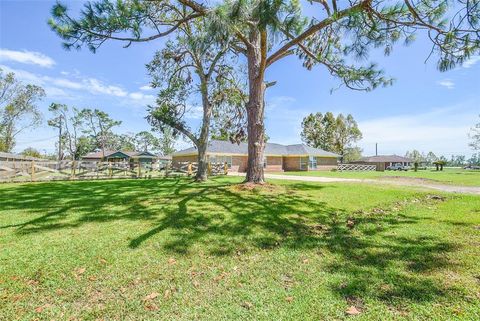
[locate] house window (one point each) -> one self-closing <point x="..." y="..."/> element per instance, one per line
<point x="303" y="163"/>
<point x="221" y="159"/>
<point x="312" y="162"/>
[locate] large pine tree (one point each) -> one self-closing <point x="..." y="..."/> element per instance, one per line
<point x="266" y="31"/>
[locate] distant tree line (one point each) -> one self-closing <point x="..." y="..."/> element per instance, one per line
<point x="429" y="159"/>
<point x="86" y="130"/>
<point x="80" y="131"/>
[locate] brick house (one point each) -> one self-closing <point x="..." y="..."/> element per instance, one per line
<point x="383" y="161"/>
<point x="277" y="157"/>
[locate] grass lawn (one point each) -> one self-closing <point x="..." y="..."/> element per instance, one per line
<point x="447" y="176"/>
<point x="171" y="249"/>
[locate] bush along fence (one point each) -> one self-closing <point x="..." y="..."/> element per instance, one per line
<point x="34" y="171"/>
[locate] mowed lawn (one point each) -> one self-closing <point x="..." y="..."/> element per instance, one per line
<point x="454" y="176"/>
<point x="175" y="250"/>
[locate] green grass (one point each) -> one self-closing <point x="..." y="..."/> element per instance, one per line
<point x="289" y="251"/>
<point x="447" y="176"/>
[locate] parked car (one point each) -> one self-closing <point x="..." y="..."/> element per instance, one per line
<point x="398" y="167"/>
<point x="471" y="167"/>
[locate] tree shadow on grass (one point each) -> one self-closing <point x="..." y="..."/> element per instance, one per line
<point x="225" y="220"/>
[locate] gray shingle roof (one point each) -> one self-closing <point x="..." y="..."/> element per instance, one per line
<point x="110" y="152"/>
<point x="386" y="159"/>
<point x="226" y="147"/>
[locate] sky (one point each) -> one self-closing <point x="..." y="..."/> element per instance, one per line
<point x="425" y="109"/>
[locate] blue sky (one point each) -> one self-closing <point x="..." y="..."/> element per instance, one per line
<point x="425" y="109"/>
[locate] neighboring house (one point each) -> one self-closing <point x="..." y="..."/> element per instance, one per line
<point x="17" y="157"/>
<point x="383" y="161"/>
<point x="277" y="157"/>
<point x="121" y="156"/>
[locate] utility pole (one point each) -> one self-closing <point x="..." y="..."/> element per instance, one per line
<point x="376" y="149"/>
<point x="60" y="138"/>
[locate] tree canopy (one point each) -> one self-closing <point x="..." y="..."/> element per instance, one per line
<point x="475" y="136"/>
<point x="332" y="134"/>
<point x="337" y="36"/>
<point x="18" y="109"/>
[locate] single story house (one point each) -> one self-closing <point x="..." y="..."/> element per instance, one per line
<point x="121" y="156"/>
<point x="383" y="161"/>
<point x="277" y="157"/>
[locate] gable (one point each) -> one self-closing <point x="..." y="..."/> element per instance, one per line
<point x="117" y="154"/>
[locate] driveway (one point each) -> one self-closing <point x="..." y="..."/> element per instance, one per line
<point x="403" y="182"/>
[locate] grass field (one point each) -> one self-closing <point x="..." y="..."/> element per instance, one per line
<point x="447" y="176"/>
<point x="171" y="249"/>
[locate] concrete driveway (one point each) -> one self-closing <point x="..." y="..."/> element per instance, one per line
<point x="403" y="182"/>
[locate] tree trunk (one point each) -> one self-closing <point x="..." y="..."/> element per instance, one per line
<point x="202" y="144"/>
<point x="256" y="57"/>
<point x="201" y="175"/>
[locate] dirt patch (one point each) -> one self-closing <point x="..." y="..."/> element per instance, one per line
<point x="250" y="187"/>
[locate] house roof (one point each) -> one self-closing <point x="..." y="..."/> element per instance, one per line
<point x="385" y="159"/>
<point x="226" y="147"/>
<point x="109" y="153"/>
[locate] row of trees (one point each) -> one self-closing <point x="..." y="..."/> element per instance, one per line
<point x="205" y="37"/>
<point x="86" y="130"/>
<point x="333" y="134"/>
<point x="79" y="130"/>
<point x="430" y="158"/>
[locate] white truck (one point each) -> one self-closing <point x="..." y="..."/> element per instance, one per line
<point x="398" y="167"/>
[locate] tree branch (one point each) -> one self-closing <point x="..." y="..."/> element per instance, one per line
<point x="313" y="29"/>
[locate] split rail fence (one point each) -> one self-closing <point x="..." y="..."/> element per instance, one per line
<point x="33" y="171"/>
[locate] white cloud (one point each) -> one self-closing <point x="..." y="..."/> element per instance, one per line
<point x="447" y="83"/>
<point x="26" y="57"/>
<point x="96" y="86"/>
<point x="194" y="112"/>
<point x="443" y="131"/>
<point x="279" y="101"/>
<point x="141" y="98"/>
<point x="146" y="88"/>
<point x="58" y="86"/>
<point x="471" y="61"/>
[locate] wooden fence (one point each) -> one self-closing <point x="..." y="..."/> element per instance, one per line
<point x="34" y="171"/>
<point x="24" y="171"/>
<point x="356" y="167"/>
<point x="190" y="168"/>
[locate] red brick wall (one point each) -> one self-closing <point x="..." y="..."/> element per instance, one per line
<point x="291" y="163"/>
<point x="239" y="164"/>
<point x="274" y="164"/>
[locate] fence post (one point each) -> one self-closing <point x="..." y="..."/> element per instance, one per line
<point x="189" y="169"/>
<point x="72" y="174"/>
<point x="33" y="171"/>
<point x="110" y="170"/>
<point x="167" y="168"/>
<point x="209" y="168"/>
<point x="225" y="168"/>
<point x="139" y="169"/>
